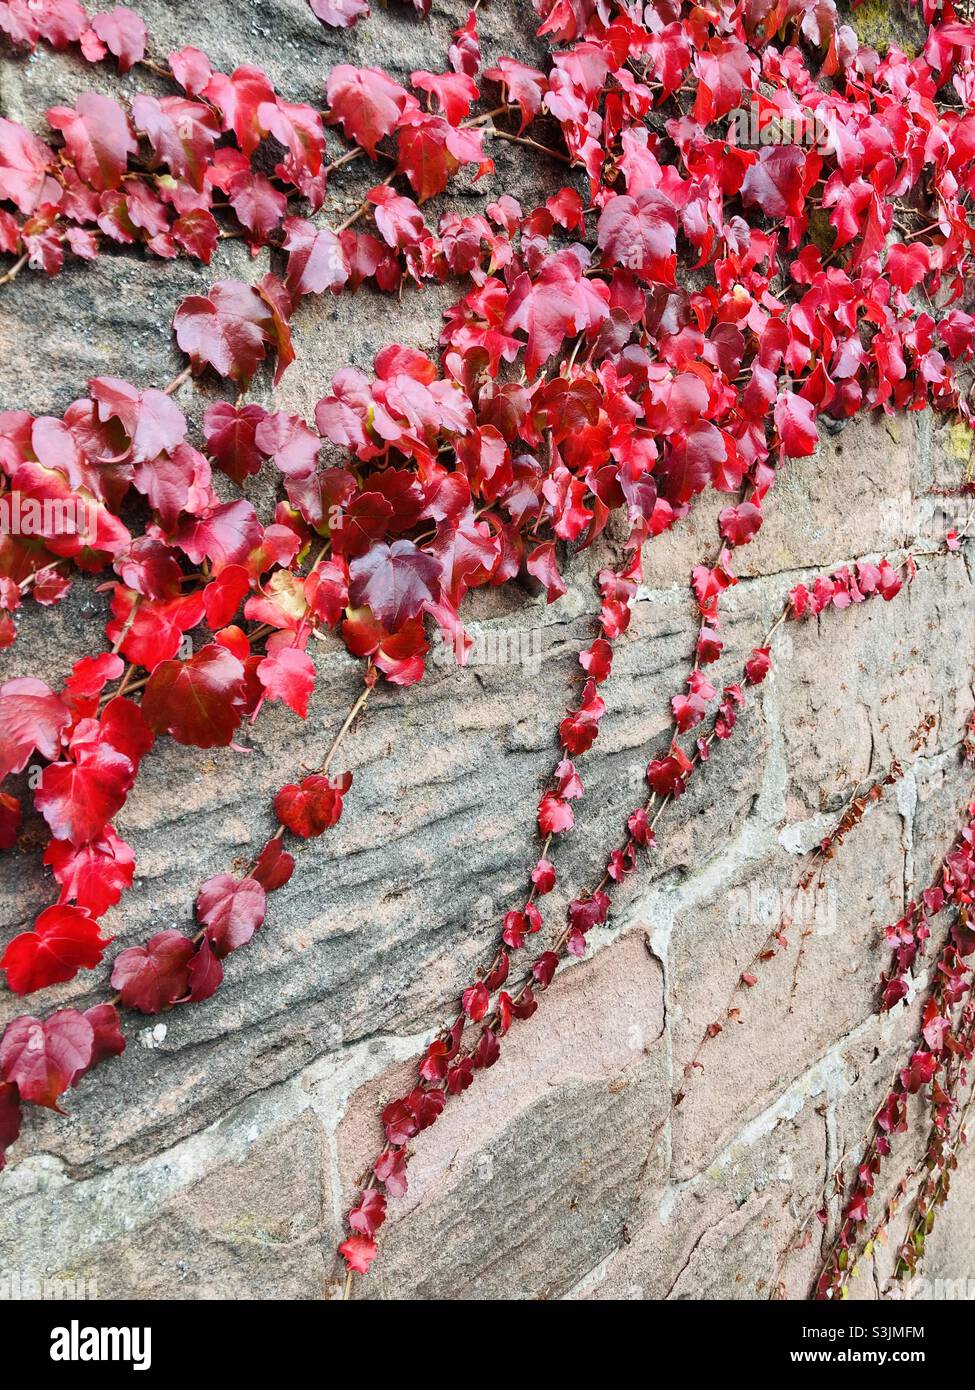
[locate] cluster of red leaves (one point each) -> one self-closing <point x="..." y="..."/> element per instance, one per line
<point x="944" y="1045"/>
<point x="65" y="23"/>
<point x="635" y="395"/>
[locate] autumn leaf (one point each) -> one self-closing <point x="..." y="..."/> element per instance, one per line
<point x="199" y="701"/>
<point x="152" y="977"/>
<point x="42" y="1059"/>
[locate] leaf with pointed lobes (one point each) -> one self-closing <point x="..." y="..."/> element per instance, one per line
<point x="795" y="421"/>
<point x="580" y="729"/>
<point x="597" y="660"/>
<point x="554" y="815"/>
<point x="182" y="134"/>
<point x="708" y="584"/>
<point x="204" y="973"/>
<point x="239" y="99"/>
<point x="404" y="1118"/>
<point x="64" y="940"/>
<point x="24" y="162"/>
<point x="758" y="665"/>
<point x="98" y="138"/>
<point x="312" y="807"/>
<point x="288" y="675"/>
<point x="231" y="328"/>
<point x="739" y="524"/>
<point x="475" y="1001"/>
<point x="370" y="1213"/>
<point x="454" y="92"/>
<point x="692" y="462"/>
<point x="395" y="581"/>
<point x="230" y="432"/>
<point x="78" y="798"/>
<point x="291" y="444"/>
<point x="442" y="1051"/>
<point x="487" y="1051"/>
<point x="544" y="968"/>
<point x="155" y="976"/>
<point x="921" y="1070"/>
<point x="640" y="234"/>
<point x="150" y="419"/>
<point x="558" y="302"/>
<point x="43" y="1058"/>
<point x="523" y="86"/>
<point x="231" y="911"/>
<point x="543" y="876"/>
<point x="339" y="14"/>
<point x="390" y="1170"/>
<point x="543" y="566"/>
<point x="108" y="1040"/>
<point x="515" y="929"/>
<point x="358" y="1252"/>
<point x="58" y="22"/>
<point x="222" y="598"/>
<point x="274" y="866"/>
<point x="316" y="259"/>
<point x="200" y="702"/>
<point x="89" y="677"/>
<point x="639" y="827"/>
<point x="668" y="776"/>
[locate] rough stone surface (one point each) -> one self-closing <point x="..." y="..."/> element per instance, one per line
<point x="217" y="1157"/>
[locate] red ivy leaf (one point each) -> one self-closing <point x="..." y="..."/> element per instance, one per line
<point x="316" y="259"/>
<point x="274" y="866"/>
<point x="288" y="675"/>
<point x="64" y="940"/>
<point x="123" y="33"/>
<point x="229" y="329"/>
<point x="42" y="1059"/>
<point x="359" y="1252"/>
<point x="108" y="1040"/>
<point x="24" y="162"/>
<point x="795" y="420"/>
<point x="78" y="799"/>
<point x="229" y="433"/>
<point x="370" y="1213"/>
<point x="366" y="103"/>
<point x="32" y="718"/>
<point x="395" y="581"/>
<point x="339" y="14"/>
<point x="311" y="808"/>
<point x="152" y="977"/>
<point x="199" y="702"/>
<point x="98" y="138"/>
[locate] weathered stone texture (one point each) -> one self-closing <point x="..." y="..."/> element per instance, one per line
<point x="217" y="1157"/>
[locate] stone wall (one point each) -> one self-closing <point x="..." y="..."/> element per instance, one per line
<point x="216" y="1158"/>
